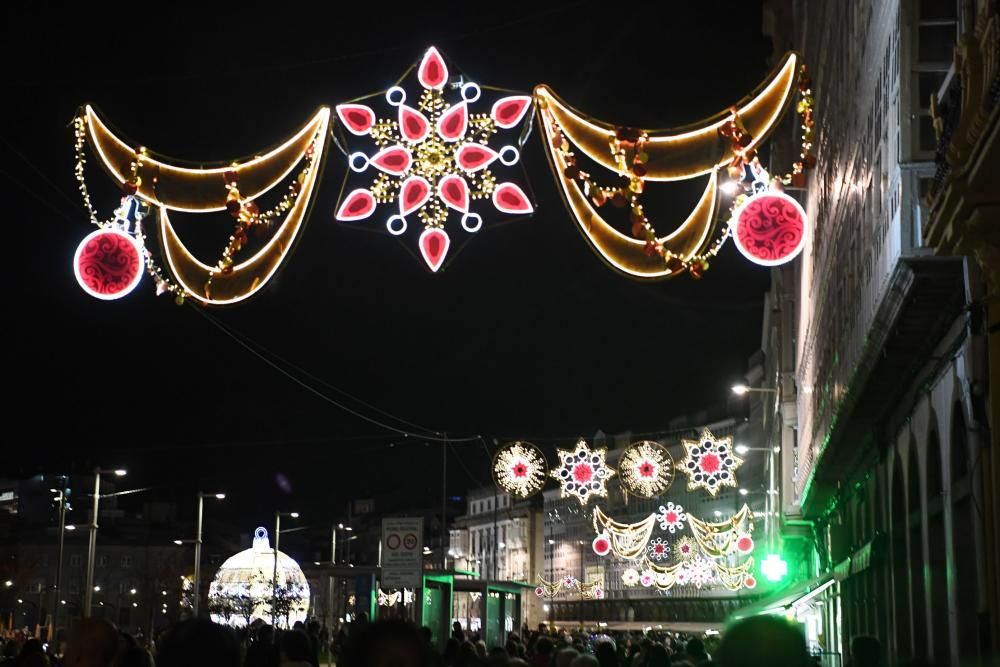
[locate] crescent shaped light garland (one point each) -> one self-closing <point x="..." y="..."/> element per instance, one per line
<point x="626" y="540"/>
<point x="583" y="473"/>
<point x="710" y="463"/>
<point x="646" y="469"/>
<point x="687" y="152"/>
<point x="519" y="468"/>
<point x="248" y="277"/>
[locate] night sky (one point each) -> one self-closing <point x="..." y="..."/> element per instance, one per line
<point x="527" y="333"/>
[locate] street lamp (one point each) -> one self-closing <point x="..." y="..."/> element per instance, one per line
<point x="61" y="490"/>
<point x="274" y="576"/>
<point x="197" y="548"/>
<point x="741" y="389"/>
<point x="92" y="548"/>
<point x="743" y="449"/>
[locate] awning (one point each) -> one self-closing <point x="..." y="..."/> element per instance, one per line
<point x="786" y="599"/>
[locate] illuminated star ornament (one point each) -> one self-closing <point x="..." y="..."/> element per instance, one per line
<point x="434" y="159"/>
<point x="671" y="517"/>
<point x="710" y="463"/>
<point x="583" y="472"/>
<point x="658" y="550"/>
<point x="520" y="469"/>
<point x="646" y="469"/>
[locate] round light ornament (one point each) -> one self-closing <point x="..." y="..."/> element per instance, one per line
<point x="646" y="469"/>
<point x="519" y="468"/>
<point x="769" y="228"/>
<point x="108" y="263"/>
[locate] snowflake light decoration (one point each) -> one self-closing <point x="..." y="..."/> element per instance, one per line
<point x="700" y="571"/>
<point x="569" y="581"/>
<point x="710" y="462"/>
<point x="583" y="472"/>
<point x="630" y="577"/>
<point x="657" y="550"/>
<point x="520" y="469"/>
<point x="434" y="158"/>
<point x="646" y="469"/>
<point x="671" y="517"/>
<point x="686" y="548"/>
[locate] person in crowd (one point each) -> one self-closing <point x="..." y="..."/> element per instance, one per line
<point x="198" y="643"/>
<point x="584" y="660"/>
<point x="451" y="651"/>
<point x="542" y="656"/>
<point x="93" y="643"/>
<point x="457" y="632"/>
<point x="386" y="644"/>
<point x="657" y="656"/>
<point x="468" y="656"/>
<point x="606" y="653"/>
<point x="696" y="652"/>
<point x="32" y="654"/>
<point x="762" y="641"/>
<point x="134" y="656"/>
<point x="261" y="652"/>
<point x="866" y="651"/>
<point x="566" y="656"/>
<point x="481" y="649"/>
<point x="294" y="649"/>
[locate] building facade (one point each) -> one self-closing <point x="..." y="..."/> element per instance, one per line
<point x="888" y="485"/>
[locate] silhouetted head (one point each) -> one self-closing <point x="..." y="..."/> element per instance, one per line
<point x="606" y="654"/>
<point x="294" y="646"/>
<point x="385" y="644"/>
<point x="198" y="643"/>
<point x="134" y="656"/>
<point x="657" y="656"/>
<point x="93" y="643"/>
<point x="866" y="651"/>
<point x="762" y="641"/>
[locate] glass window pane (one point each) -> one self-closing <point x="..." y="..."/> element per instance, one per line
<point x="928" y="140"/>
<point x="935" y="43"/>
<point x="931" y="10"/>
<point x="928" y="83"/>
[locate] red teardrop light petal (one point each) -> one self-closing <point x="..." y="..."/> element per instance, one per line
<point x="414" y="194"/>
<point x="454" y="192"/>
<point x="432" y="73"/>
<point x="508" y="111"/>
<point x="509" y="198"/>
<point x="357" y="118"/>
<point x="769" y="228"/>
<point x="108" y="264"/>
<point x="434" y="245"/>
<point x="473" y="157"/>
<point x="413" y="125"/>
<point x="394" y="160"/>
<point x="453" y="122"/>
<point x="358" y="205"/>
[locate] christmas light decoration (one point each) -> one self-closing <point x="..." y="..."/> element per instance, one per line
<point x="170" y="187"/>
<point x="583" y="472"/>
<point x="602" y="544"/>
<point x="108" y="263"/>
<point x="658" y="550"/>
<point x="548" y="589"/>
<point x="646" y="155"/>
<point x="686" y="548"/>
<point x="434" y="157"/>
<point x="630" y="577"/>
<point x="671" y="517"/>
<point x="710" y="462"/>
<point x="646" y="469"/>
<point x="519" y="468"/>
<point x="700" y="571"/>
<point x="769" y="228"/>
<point x="722" y="538"/>
<point x="627" y="540"/>
<point x="388" y="599"/>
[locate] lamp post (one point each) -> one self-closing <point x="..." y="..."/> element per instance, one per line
<point x="62" y="537"/>
<point x="742" y="389"/>
<point x="88" y="597"/>
<point x="274" y="576"/>
<point x="197" y="549"/>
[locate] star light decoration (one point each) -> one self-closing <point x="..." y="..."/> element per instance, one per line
<point x="671" y="517"/>
<point x="710" y="462"/>
<point x="519" y="469"/>
<point x="583" y="472"/>
<point x="646" y="469"/>
<point x="686" y="548"/>
<point x="434" y="158"/>
<point x="658" y="550"/>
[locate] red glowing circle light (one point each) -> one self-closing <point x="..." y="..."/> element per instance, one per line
<point x="602" y="545"/>
<point x="769" y="228"/>
<point x="108" y="264"/>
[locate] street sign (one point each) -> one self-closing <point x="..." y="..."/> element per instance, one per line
<point x="402" y="553"/>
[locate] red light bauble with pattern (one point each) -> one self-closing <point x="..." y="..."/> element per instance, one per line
<point x="108" y="264"/>
<point x="769" y="228"/>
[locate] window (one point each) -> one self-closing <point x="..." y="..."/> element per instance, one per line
<point x="74" y="560"/>
<point x="102" y="561"/>
<point x="126" y="562"/>
<point x="937" y="33"/>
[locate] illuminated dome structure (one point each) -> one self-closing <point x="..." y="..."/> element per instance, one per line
<point x="242" y="592"/>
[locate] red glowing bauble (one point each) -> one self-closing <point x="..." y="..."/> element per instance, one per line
<point x="108" y="264"/>
<point x="602" y="545"/>
<point x="769" y="228"/>
<point x="744" y="544"/>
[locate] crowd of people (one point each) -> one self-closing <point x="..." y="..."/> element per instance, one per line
<point x="763" y="641"/>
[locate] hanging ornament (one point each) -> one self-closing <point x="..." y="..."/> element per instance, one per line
<point x="686" y="548"/>
<point x="630" y="577"/>
<point x="602" y="544"/>
<point x="519" y="469"/>
<point x="710" y="463"/>
<point x="700" y="571"/>
<point x="744" y="544"/>
<point x="646" y="469"/>
<point x="769" y="228"/>
<point x="583" y="472"/>
<point x="647" y="578"/>
<point x="435" y="158"/>
<point x="671" y="517"/>
<point x="547" y="589"/>
<point x="539" y="591"/>
<point x="569" y="581"/>
<point x="108" y="263"/>
<point x="628" y="540"/>
<point x="658" y="550"/>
